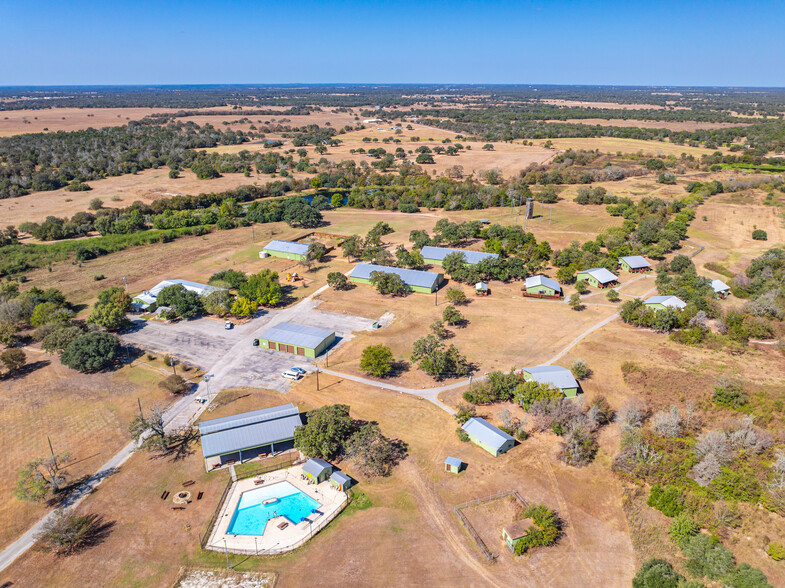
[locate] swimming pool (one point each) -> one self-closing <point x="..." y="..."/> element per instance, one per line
<point x="251" y="515"/>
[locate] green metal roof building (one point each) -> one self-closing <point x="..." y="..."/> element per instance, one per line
<point x="297" y="339"/>
<point x="490" y="438"/>
<point x="553" y="375"/>
<point x="287" y="250"/>
<point x="634" y="263"/>
<point x="415" y="280"/>
<point x="598" y="277"/>
<point x="542" y="285"/>
<point x="435" y="255"/>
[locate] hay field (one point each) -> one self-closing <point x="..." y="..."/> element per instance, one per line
<point x="615" y="105"/>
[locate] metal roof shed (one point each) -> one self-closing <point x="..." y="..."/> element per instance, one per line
<point x="492" y="439"/>
<point x="661" y="302"/>
<point x="317" y="469"/>
<point x="553" y="375"/>
<point x="453" y="464"/>
<point x="298" y="339"/>
<point x="287" y="249"/>
<point x="340" y="480"/>
<point x="597" y="276"/>
<point x="436" y="255"/>
<point x="544" y="283"/>
<point x="634" y="263"/>
<point x="416" y="280"/>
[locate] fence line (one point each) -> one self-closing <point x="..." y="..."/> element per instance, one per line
<point x="204" y="538"/>
<point x="476" y="502"/>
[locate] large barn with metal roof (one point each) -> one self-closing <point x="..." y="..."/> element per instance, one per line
<point x="287" y="249"/>
<point x="490" y="438"/>
<point x="553" y="375"/>
<point x="436" y="255"/>
<point x="416" y="280"/>
<point x="244" y="436"/>
<point x="297" y="339"/>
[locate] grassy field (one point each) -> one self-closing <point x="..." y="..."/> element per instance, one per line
<point x="613" y="145"/>
<point x="84" y="415"/>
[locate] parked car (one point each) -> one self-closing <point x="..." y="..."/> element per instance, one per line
<point x="291" y="375"/>
<point x="228" y="325"/>
<point x="299" y="370"/>
<point x="256" y="342"/>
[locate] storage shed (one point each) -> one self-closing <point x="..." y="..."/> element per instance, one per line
<point x="721" y="289"/>
<point x="541" y="286"/>
<point x="247" y="435"/>
<point x="317" y="470"/>
<point x="490" y="438"/>
<point x="516" y="531"/>
<point x="416" y="280"/>
<point x="553" y="375"/>
<point x="481" y="289"/>
<point x="598" y="277"/>
<point x="453" y="465"/>
<point x="436" y="255"/>
<point x="287" y="250"/>
<point x="634" y="264"/>
<point x="663" y="302"/>
<point x="340" y="480"/>
<point x="297" y="339"/>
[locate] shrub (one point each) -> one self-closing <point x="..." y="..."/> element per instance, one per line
<point x="632" y="414"/>
<point x="613" y="295"/>
<point x="776" y="551"/>
<point x="580" y="369"/>
<point x="338" y="281"/>
<point x="707" y="557"/>
<point x="389" y="283"/>
<point x="456" y="296"/>
<point x="575" y="302"/>
<point x="174" y="384"/>
<point x="682" y="529"/>
<point x="578" y="448"/>
<point x="14" y="359"/>
<point x="464" y="412"/>
<point x="657" y="573"/>
<point x="67" y="533"/>
<point x="760" y="235"/>
<point x="667" y="423"/>
<point x="745" y="576"/>
<point x="668" y="500"/>
<point x="729" y="393"/>
<point x="377" y="360"/>
<point x="462" y="435"/>
<point x="547" y="528"/>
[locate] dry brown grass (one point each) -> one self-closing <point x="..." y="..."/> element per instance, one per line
<point x="84" y="415"/>
<point x="612" y="145"/>
<point x="650" y="124"/>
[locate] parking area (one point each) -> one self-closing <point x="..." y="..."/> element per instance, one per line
<point x="230" y="355"/>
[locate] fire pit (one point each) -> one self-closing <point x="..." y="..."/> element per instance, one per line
<point x="183" y="497"/>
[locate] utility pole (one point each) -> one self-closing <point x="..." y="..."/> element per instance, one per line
<point x="174" y="367"/>
<point x="317" y="379"/>
<point x="253" y="234"/>
<point x="436" y="298"/>
<point x="139" y="402"/>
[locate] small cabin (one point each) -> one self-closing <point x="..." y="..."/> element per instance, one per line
<point x="598" y="277"/>
<point x="721" y="289"/>
<point x="634" y="264"/>
<point x="340" y="480"/>
<point x="481" y="289"/>
<point x="317" y="470"/>
<point x="453" y="465"/>
<point x="515" y="532"/>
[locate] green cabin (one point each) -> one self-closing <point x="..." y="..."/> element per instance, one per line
<point x="553" y="375"/>
<point x="340" y="480"/>
<point x="542" y="286"/>
<point x="317" y="470"/>
<point x="490" y="438"/>
<point x="634" y="264"/>
<point x="453" y="465"/>
<point x="598" y="277"/>
<point x="658" y="303"/>
<point x="515" y="532"/>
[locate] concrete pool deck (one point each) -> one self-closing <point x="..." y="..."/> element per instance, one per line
<point x="275" y="540"/>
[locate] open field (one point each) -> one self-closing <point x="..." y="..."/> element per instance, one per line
<point x="589" y="104"/>
<point x="612" y="145"/>
<point x="649" y="124"/>
<point x="16" y="122"/>
<point x="84" y="415"/>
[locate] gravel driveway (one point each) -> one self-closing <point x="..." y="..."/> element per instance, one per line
<point x="230" y="355"/>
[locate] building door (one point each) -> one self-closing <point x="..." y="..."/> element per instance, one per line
<point x="300" y="351"/>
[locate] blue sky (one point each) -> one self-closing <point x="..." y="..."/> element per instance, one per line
<point x="44" y="42"/>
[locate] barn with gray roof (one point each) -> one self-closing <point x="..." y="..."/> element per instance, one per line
<point x="287" y="249"/>
<point x="415" y="280"/>
<point x="436" y="255"/>
<point x="491" y="439"/>
<point x="297" y="339"/>
<point x="247" y="435"/>
<point x="553" y="375"/>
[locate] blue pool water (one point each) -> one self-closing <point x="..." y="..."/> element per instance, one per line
<point x="251" y="516"/>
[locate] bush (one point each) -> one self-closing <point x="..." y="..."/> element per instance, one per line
<point x="338" y="281"/>
<point x="707" y="557"/>
<point x="456" y="296"/>
<point x="729" y="393"/>
<point x="760" y="235"/>
<point x="613" y="295"/>
<point x="14" y="359"/>
<point x="682" y="529"/>
<point x="547" y="528"/>
<point x="67" y="533"/>
<point x="580" y="369"/>
<point x="174" y="384"/>
<point x="575" y="302"/>
<point x="657" y="573"/>
<point x="377" y="360"/>
<point x="464" y="412"/>
<point x="91" y="352"/>
<point x="232" y="278"/>
<point x="668" y="500"/>
<point x="389" y="283"/>
<point x="745" y="576"/>
<point x="578" y="448"/>
<point x="462" y="435"/>
<point x="776" y="551"/>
